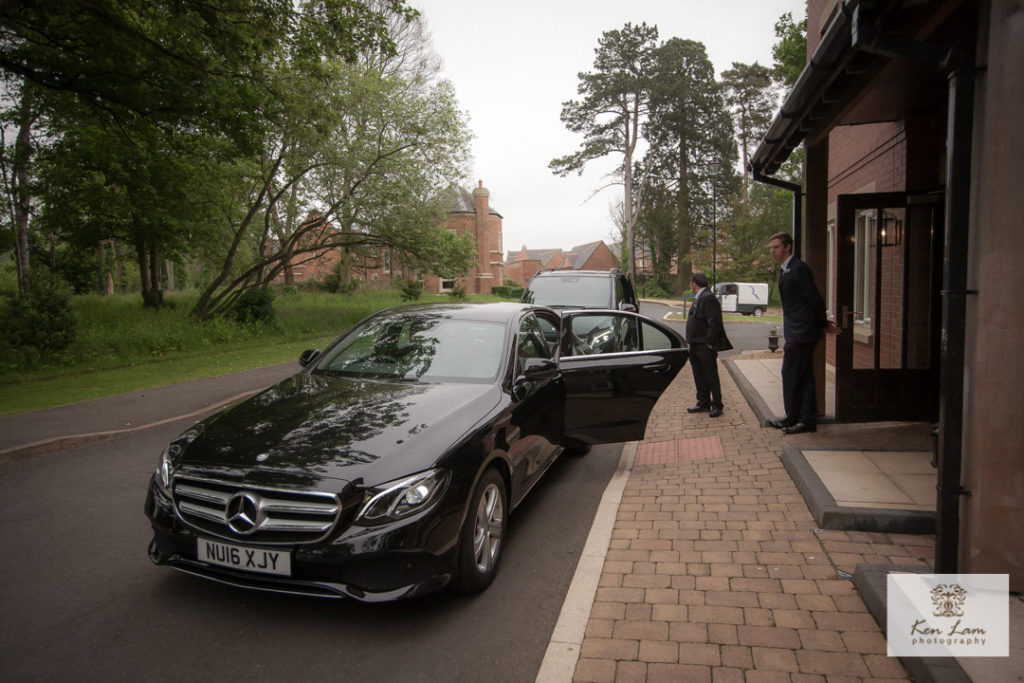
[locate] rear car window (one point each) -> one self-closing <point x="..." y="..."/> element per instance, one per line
<point x="576" y="292"/>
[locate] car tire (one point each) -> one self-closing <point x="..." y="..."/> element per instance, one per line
<point x="758" y="312"/>
<point x="577" y="449"/>
<point x="483" y="535"/>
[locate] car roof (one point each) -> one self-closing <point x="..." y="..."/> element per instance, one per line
<point x="574" y="273"/>
<point x="490" y="311"/>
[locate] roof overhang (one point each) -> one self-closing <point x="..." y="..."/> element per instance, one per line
<point x="879" y="60"/>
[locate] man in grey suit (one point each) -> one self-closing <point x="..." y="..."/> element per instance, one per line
<point x="705" y="335"/>
<point x="803" y="321"/>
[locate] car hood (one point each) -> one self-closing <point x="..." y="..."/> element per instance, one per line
<point x="320" y="427"/>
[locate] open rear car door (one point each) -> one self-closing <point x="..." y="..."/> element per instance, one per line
<point x="615" y="365"/>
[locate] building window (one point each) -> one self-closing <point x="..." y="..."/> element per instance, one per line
<point x="387" y="261"/>
<point x="863" y="276"/>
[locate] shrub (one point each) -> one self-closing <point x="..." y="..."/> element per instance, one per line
<point x="410" y="289"/>
<point x="655" y="291"/>
<point x="45" y="320"/>
<point x="513" y="291"/>
<point x="458" y="292"/>
<point x="349" y="288"/>
<point x="254" y="305"/>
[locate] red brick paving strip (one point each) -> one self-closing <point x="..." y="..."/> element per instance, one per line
<point x="663" y="452"/>
<point x="716" y="571"/>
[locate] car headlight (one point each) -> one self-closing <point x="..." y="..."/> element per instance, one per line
<point x="169" y="458"/>
<point x="166" y="468"/>
<point x="401" y="498"/>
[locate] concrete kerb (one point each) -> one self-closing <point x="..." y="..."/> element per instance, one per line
<point x="871" y="582"/>
<point x="830" y="515"/>
<point x="753" y="398"/>
<point x="563" y="651"/>
<point x="29" y="450"/>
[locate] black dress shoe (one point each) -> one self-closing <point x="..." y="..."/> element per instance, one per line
<point x="715" y="412"/>
<point x="698" y="409"/>
<point x="800" y="428"/>
<point x="777" y="423"/>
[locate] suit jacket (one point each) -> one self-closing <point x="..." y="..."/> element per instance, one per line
<point x="704" y="324"/>
<point x="803" y="309"/>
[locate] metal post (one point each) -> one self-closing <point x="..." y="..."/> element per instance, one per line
<point x="714" y="224"/>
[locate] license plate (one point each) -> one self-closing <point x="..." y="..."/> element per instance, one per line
<point x="259" y="560"/>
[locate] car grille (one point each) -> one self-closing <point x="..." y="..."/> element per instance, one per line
<point x="254" y="514"/>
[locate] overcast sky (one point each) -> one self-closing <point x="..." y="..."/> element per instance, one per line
<point x="513" y="64"/>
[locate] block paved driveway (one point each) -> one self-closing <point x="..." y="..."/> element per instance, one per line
<point x="716" y="570"/>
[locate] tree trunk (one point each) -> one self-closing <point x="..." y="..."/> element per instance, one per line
<point x="101" y="270"/>
<point x="20" y="189"/>
<point x="118" y="266"/>
<point x="627" y="205"/>
<point x="289" y="272"/>
<point x="149" y="269"/>
<point x="156" y="274"/>
<point x="345" y="266"/>
<point x="683" y="241"/>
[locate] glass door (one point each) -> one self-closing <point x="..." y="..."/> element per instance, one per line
<point x="889" y="250"/>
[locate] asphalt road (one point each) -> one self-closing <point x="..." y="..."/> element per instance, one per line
<point x="745" y="336"/>
<point x="82" y="602"/>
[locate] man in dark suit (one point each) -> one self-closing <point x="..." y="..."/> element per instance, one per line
<point x="705" y="334"/>
<point x="803" y="321"/>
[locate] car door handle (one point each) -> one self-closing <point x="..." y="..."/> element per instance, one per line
<point x="657" y="367"/>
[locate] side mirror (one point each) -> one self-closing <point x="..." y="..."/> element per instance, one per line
<point x="539" y="368"/>
<point x="308" y="356"/>
<point x="533" y="369"/>
<point x="625" y="306"/>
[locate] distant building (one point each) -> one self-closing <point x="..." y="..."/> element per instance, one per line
<point x="472" y="215"/>
<point x="522" y="265"/>
<point x="469" y="214"/>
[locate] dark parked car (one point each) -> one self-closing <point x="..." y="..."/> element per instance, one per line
<point x="581" y="289"/>
<point x="387" y="467"/>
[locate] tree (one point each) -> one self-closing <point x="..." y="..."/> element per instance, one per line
<point x="122" y="68"/>
<point x="20" y="116"/>
<point x="357" y="166"/>
<point x="689" y="130"/>
<point x="614" y="104"/>
<point x="747" y="231"/>
<point x="135" y="59"/>
<point x="790" y="53"/>
<point x="748" y="93"/>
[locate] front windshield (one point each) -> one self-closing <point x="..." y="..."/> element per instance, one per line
<point x="418" y="346"/>
<point x="569" y="291"/>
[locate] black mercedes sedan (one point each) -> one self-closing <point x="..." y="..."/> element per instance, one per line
<point x="388" y="466"/>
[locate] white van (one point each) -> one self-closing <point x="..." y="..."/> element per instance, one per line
<point x="748" y="298"/>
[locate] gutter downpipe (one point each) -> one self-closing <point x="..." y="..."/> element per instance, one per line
<point x="959" y="149"/>
<point x="954" y="324"/>
<point x="798" y="196"/>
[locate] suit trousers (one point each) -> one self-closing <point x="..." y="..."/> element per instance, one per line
<point x="798" y="391"/>
<point x="704" y="364"/>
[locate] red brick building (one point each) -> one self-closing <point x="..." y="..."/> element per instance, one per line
<point x="469" y="214"/>
<point x="909" y="113"/>
<point x="522" y="265"/>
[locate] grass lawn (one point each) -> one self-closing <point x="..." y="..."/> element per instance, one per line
<point x="121" y="347"/>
